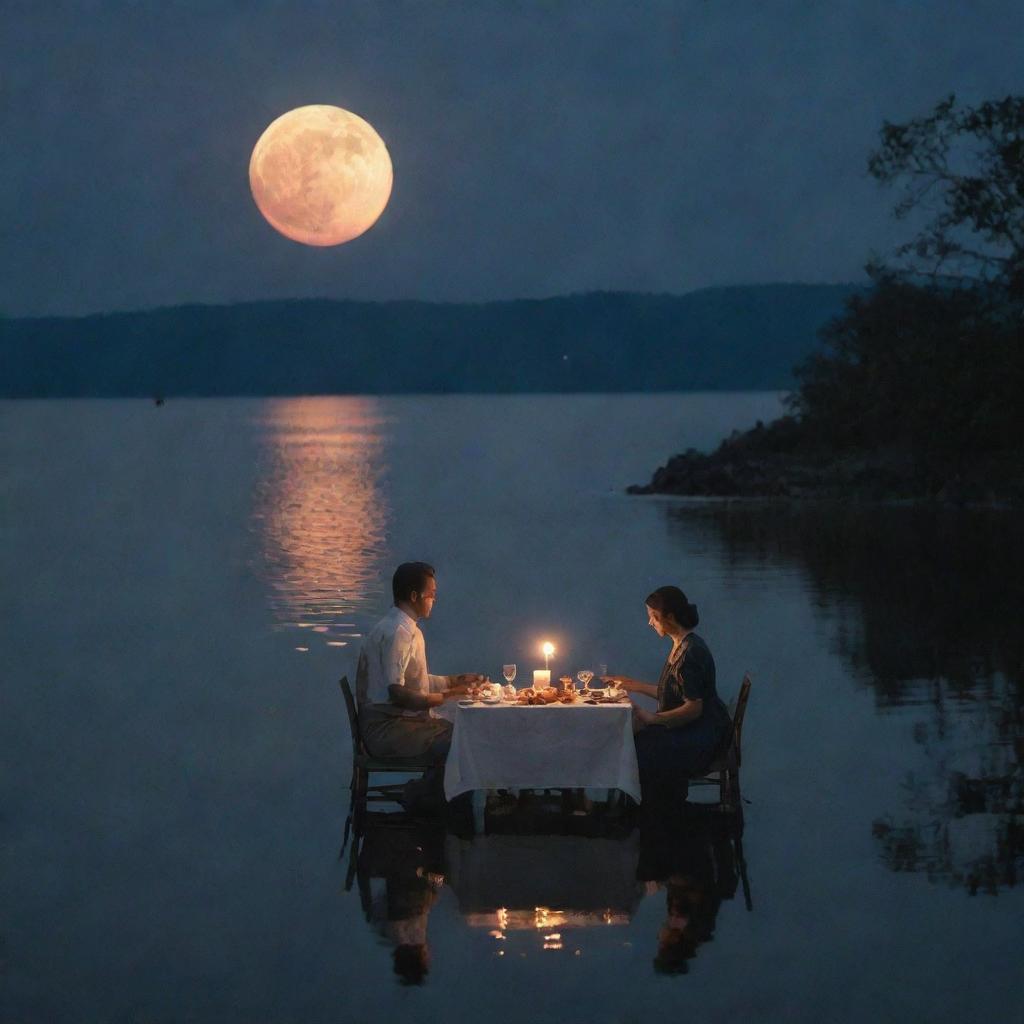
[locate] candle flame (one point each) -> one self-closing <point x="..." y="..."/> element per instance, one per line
<point x="548" y="649"/>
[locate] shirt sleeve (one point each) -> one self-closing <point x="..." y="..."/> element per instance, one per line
<point x="396" y="655"/>
<point x="695" y="673"/>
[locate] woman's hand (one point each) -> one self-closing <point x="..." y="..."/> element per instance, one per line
<point x="643" y="716"/>
<point x="622" y="682"/>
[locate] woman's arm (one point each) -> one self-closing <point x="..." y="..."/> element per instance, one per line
<point x="688" y="711"/>
<point x="632" y="685"/>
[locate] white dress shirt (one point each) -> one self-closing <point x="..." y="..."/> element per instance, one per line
<point x="394" y="654"/>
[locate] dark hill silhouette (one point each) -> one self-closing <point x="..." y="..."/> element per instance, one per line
<point x="737" y="338"/>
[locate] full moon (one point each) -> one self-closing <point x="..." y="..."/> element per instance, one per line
<point x="320" y="175"/>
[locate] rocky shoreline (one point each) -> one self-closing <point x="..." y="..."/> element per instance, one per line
<point x="774" y="461"/>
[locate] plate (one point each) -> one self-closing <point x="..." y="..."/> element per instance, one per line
<point x="467" y="703"/>
<point x="491" y="700"/>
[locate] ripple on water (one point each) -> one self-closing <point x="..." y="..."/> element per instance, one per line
<point x="321" y="512"/>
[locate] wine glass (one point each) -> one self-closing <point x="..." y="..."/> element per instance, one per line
<point x="584" y="676"/>
<point x="509" y="672"/>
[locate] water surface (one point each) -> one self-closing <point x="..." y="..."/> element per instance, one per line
<point x="184" y="585"/>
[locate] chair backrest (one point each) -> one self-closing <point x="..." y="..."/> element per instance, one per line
<point x="737" y="718"/>
<point x="353" y="716"/>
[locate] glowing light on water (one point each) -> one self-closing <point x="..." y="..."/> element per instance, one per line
<point x="321" y="511"/>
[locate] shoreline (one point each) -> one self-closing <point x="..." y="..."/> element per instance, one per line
<point x="738" y="471"/>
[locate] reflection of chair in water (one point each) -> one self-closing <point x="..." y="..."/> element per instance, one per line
<point x="400" y="869"/>
<point x="546" y="892"/>
<point x="363" y="764"/>
<point x="724" y="771"/>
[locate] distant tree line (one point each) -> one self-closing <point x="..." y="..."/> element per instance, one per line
<point x="738" y="338"/>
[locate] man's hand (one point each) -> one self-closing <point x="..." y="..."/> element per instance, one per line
<point x="462" y="682"/>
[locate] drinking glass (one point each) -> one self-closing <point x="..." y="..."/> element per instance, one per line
<point x="509" y="672"/>
<point x="584" y="676"/>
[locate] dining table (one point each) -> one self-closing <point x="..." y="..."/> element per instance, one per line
<point x="510" y="745"/>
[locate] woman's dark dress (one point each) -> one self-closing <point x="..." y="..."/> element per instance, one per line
<point x="668" y="756"/>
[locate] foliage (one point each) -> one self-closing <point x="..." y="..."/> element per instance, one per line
<point x="930" y="361"/>
<point x="962" y="167"/>
<point x="928" y="369"/>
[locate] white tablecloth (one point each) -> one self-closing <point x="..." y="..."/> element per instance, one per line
<point x="551" y="746"/>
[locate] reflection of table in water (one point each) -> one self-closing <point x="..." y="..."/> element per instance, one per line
<point x="554" y="746"/>
<point x="514" y="882"/>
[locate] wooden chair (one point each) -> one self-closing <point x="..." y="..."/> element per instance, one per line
<point x="363" y="764"/>
<point x="724" y="771"/>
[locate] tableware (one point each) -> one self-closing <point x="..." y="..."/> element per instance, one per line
<point x="509" y="672"/>
<point x="467" y="703"/>
<point x="584" y="675"/>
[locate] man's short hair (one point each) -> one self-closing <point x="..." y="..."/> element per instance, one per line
<point x="410" y="578"/>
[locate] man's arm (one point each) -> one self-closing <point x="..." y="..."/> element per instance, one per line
<point x="396" y="661"/>
<point x="403" y="697"/>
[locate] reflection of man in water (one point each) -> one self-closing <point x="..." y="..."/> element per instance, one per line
<point x="410" y="862"/>
<point x="407" y="909"/>
<point x="396" y="692"/>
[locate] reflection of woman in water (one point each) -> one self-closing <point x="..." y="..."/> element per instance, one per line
<point x="697" y="867"/>
<point x="691" y="724"/>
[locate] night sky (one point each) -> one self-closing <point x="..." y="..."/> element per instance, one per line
<point x="539" y="149"/>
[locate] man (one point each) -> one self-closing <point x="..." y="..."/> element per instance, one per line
<point x="395" y="690"/>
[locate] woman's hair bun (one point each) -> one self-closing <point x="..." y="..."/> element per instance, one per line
<point x="672" y="601"/>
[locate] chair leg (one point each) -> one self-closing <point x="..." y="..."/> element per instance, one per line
<point x="344" y="838"/>
<point x="741" y="861"/>
<point x="353" y="861"/>
<point x="734" y="796"/>
<point x="362" y="784"/>
<point x="351" y="812"/>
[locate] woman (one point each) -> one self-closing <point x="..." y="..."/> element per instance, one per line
<point x="691" y="724"/>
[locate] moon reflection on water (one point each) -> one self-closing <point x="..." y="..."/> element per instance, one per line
<point x="322" y="513"/>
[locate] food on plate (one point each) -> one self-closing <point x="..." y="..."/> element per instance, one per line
<point x="532" y="695"/>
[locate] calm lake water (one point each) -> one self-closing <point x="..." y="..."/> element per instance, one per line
<point x="183" y="586"/>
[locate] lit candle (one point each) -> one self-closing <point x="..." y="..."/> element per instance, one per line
<point x="541" y="677"/>
<point x="548" y="649"/>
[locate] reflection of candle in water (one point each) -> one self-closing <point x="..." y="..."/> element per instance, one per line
<point x="541" y="677"/>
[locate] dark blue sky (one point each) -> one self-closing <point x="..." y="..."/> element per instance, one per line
<point x="538" y="148"/>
